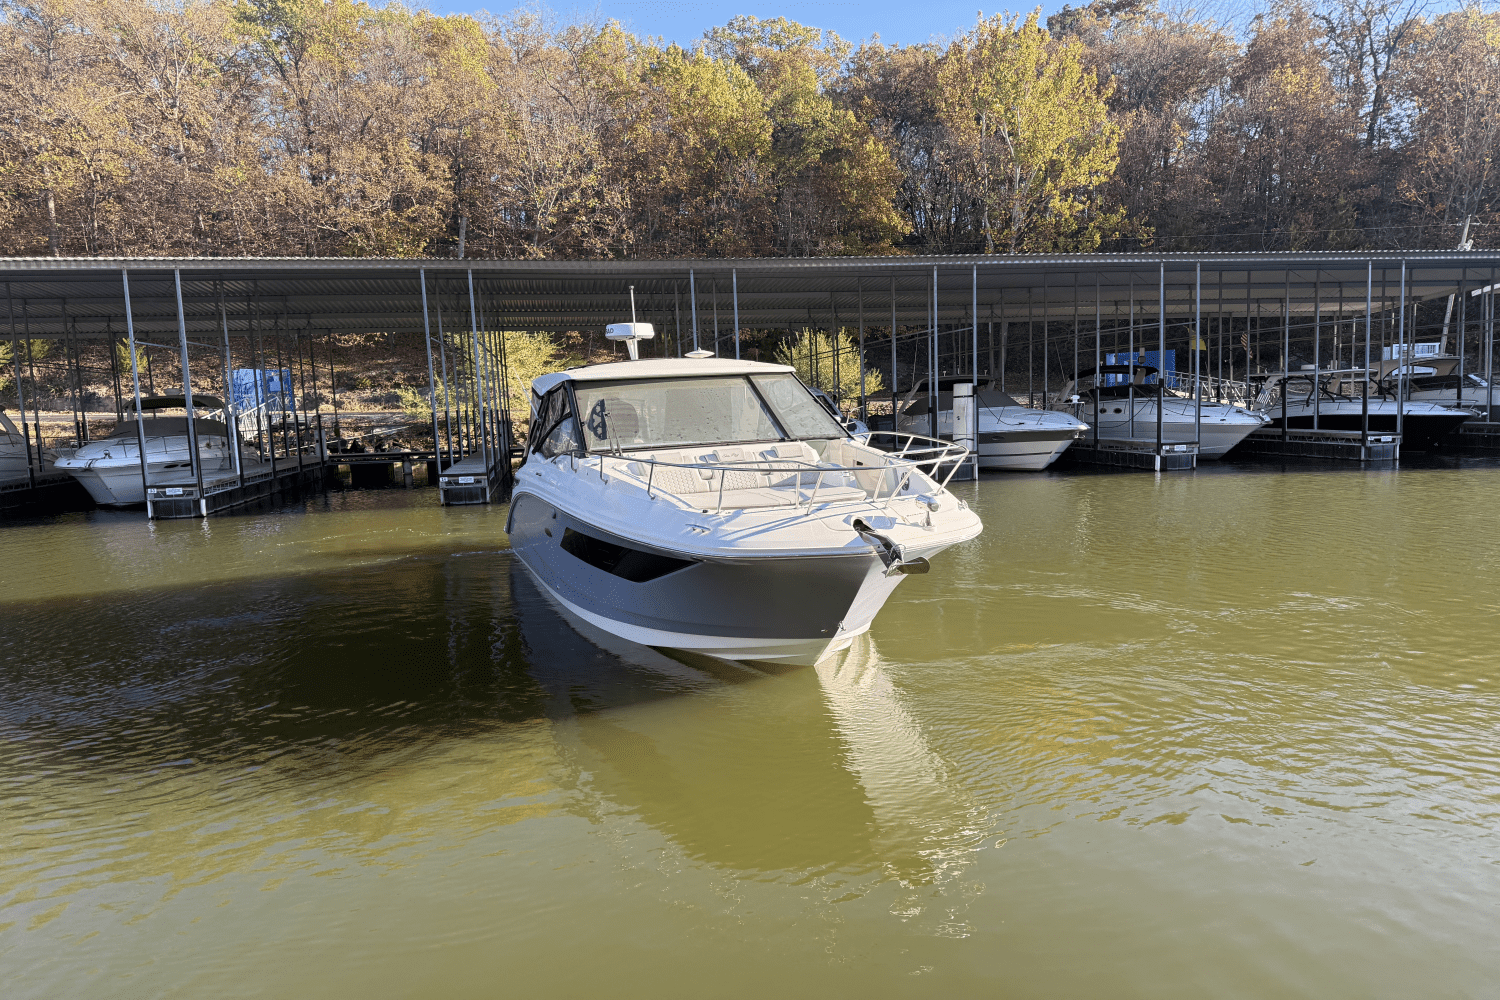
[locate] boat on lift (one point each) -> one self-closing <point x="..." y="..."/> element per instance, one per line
<point x="1124" y="407"/>
<point x="714" y="506"/>
<point x="110" y="468"/>
<point x="1436" y="379"/>
<point x="1333" y="400"/>
<point x="1010" y="436"/>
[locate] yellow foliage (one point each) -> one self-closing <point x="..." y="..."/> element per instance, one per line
<point x="812" y="354"/>
<point x="1036" y="121"/>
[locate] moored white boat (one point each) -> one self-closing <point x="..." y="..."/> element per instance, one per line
<point x="1334" y="400"/>
<point x="110" y="468"/>
<point x="1010" y="436"/>
<point x="18" y="460"/>
<point x="1128" y="411"/>
<point x="714" y="506"/>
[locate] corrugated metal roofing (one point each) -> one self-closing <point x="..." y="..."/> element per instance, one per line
<point x="46" y="296"/>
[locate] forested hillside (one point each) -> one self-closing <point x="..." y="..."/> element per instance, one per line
<point x="328" y="127"/>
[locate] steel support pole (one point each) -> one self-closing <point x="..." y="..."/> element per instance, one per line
<point x="1130" y="349"/>
<point x="135" y="377"/>
<point x="1317" y="345"/>
<point x="860" y="294"/>
<point x="1402" y="361"/>
<point x="1286" y="349"/>
<point x="1098" y="353"/>
<point x="1046" y="327"/>
<point x="15" y="356"/>
<point x="1487" y="317"/>
<point x="484" y="445"/>
<point x="734" y="291"/>
<point x="437" y="449"/>
<point x="231" y="411"/>
<point x="187" y="388"/>
<point x="932" y="394"/>
<point x="1197" y="345"/>
<point x="893" y="354"/>
<point x="1463" y="318"/>
<point x="693" y="304"/>
<point x="322" y="436"/>
<point x="1364" y="406"/>
<point x="974" y="364"/>
<point x="974" y="317"/>
<point x="1161" y="355"/>
<point x="447" y="395"/>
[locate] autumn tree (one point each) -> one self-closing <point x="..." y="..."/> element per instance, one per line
<point x="1036" y="124"/>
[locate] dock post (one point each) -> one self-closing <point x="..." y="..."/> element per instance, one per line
<point x="693" y="304"/>
<point x="1161" y="355"/>
<point x="1364" y="405"/>
<point x="437" y="448"/>
<point x="15" y="355"/>
<point x="135" y="377"/>
<point x="231" y="411"/>
<point x="479" y="397"/>
<point x="187" y="387"/>
<point x="406" y="473"/>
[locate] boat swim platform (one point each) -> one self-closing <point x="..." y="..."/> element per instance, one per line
<point x="179" y="496"/>
<point x="1132" y="453"/>
<point x="1322" y="445"/>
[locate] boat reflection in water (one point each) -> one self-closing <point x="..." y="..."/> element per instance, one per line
<point x="800" y="772"/>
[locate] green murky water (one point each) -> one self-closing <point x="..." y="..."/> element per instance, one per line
<point x="1232" y="734"/>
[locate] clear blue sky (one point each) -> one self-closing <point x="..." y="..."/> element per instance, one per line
<point x="685" y="21"/>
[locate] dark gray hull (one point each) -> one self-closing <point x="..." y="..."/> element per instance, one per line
<point x="785" y="609"/>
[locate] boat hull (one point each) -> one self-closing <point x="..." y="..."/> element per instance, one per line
<point x="112" y="486"/>
<point x="1024" y="451"/>
<point x="1011" y="438"/>
<point x="793" y="610"/>
<point x="1216" y="441"/>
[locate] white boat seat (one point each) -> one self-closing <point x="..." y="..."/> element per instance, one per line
<point x="771" y="497"/>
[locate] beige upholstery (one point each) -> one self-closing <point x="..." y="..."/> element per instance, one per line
<point x="748" y="487"/>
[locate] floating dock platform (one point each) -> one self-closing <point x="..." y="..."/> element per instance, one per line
<point x="1338" y="446"/>
<point x="1132" y="453"/>
<point x="469" y="481"/>
<point x="181" y="497"/>
<point x="1475" y="435"/>
<point x="55" y="490"/>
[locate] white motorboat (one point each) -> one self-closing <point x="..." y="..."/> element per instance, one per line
<point x="714" y="506"/>
<point x="1333" y="400"/>
<point x="17" y="460"/>
<point x="1011" y="436"/>
<point x="1435" y="379"/>
<point x="1127" y="410"/>
<point x="110" y="468"/>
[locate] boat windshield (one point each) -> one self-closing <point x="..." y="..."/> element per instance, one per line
<point x="626" y="415"/>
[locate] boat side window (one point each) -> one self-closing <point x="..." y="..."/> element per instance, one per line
<point x="803" y="416"/>
<point x="555" y="431"/>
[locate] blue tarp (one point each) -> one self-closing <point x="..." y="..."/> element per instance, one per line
<point x="252" y="386"/>
<point x="1148" y="358"/>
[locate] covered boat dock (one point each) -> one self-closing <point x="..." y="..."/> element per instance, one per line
<point x="1027" y="321"/>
